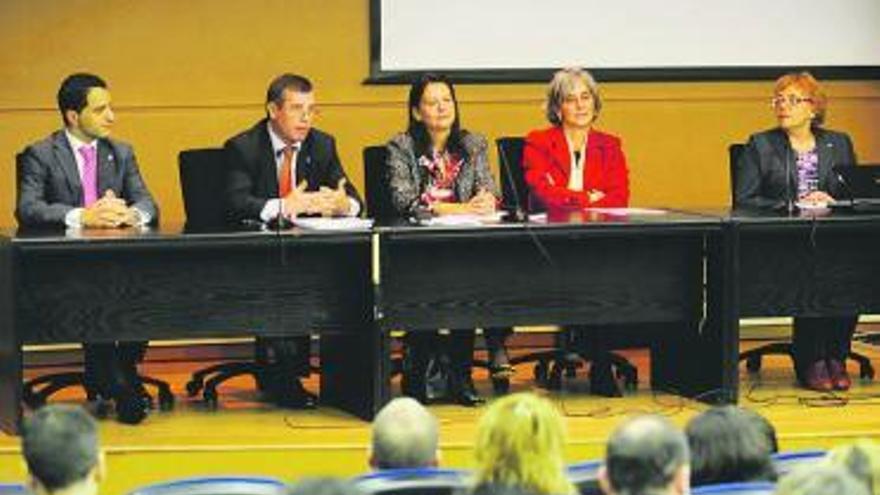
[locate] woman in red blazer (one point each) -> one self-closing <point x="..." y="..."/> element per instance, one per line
<point x="571" y="165"/>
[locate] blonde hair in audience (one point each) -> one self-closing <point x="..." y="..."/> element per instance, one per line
<point x="519" y="443"/>
<point x="862" y="459"/>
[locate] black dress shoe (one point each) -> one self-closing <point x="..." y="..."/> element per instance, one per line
<point x="464" y="392"/>
<point x="294" y="396"/>
<point x="130" y="408"/>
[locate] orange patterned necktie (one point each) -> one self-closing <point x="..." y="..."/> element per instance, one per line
<point x="284" y="180"/>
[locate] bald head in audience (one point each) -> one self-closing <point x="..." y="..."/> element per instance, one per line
<point x="404" y="436"/>
<point x="60" y="446"/>
<point x="646" y="455"/>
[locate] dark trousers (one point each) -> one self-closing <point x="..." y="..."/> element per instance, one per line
<point x="109" y="366"/>
<point x="822" y="338"/>
<point x="287" y="358"/>
<point x="456" y="349"/>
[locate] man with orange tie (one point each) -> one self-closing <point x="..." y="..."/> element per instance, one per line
<point x="79" y="178"/>
<point x="277" y="170"/>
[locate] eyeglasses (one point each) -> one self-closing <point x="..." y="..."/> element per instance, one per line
<point x="791" y="100"/>
<point x="300" y="111"/>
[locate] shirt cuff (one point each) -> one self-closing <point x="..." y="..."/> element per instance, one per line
<point x="73" y="218"/>
<point x="354" y="208"/>
<point x="270" y="210"/>
<point x="145" y="217"/>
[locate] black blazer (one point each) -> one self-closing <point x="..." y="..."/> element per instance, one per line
<point x="252" y="177"/>
<point x="760" y="170"/>
<point x="49" y="185"/>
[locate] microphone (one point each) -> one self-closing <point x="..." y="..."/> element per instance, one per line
<point x="515" y="212"/>
<point x="789" y="200"/>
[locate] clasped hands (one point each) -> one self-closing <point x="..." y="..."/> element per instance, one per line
<point x="482" y="203"/>
<point x="325" y="201"/>
<point x="109" y="212"/>
<point x="816" y="198"/>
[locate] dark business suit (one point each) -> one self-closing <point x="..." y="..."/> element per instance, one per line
<point x="49" y="187"/>
<point x="253" y="173"/>
<point x="761" y="183"/>
<point x="252" y="181"/>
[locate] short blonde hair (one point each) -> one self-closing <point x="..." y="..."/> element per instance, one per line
<point x="808" y="84"/>
<point x="519" y="443"/>
<point x="862" y="459"/>
<point x="561" y="86"/>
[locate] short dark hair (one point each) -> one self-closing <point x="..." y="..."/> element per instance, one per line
<point x="60" y="445"/>
<point x="726" y="447"/>
<point x="74" y="92"/>
<point x="644" y="454"/>
<point x="293" y="82"/>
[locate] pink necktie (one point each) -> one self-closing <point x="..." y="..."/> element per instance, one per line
<point x="89" y="175"/>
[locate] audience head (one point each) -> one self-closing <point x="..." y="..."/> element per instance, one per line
<point x="797" y="96"/>
<point x="764" y="427"/>
<point x="290" y="105"/>
<point x="573" y="98"/>
<point x="60" y="446"/>
<point x="862" y="460"/>
<point x="519" y="443"/>
<point x="404" y="436"/>
<point x="820" y="480"/>
<point x="323" y="486"/>
<point x="646" y="454"/>
<point x="84" y="103"/>
<point x="725" y="447"/>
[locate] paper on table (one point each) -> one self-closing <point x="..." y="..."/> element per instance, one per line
<point x="465" y="219"/>
<point x="628" y="211"/>
<point x="334" y="223"/>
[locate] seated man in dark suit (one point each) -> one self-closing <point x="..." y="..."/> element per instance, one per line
<point x="60" y="446"/>
<point x="79" y="178"/>
<point x="277" y="170"/>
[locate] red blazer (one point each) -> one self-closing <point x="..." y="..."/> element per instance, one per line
<point x="547" y="167"/>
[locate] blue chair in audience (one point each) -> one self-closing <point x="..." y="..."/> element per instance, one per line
<point x="740" y="488"/>
<point x="784" y="462"/>
<point x="414" y="481"/>
<point x="216" y="485"/>
<point x="13" y="489"/>
<point x="585" y="476"/>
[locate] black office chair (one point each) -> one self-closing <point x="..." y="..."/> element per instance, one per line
<point x="202" y="181"/>
<point x="739" y="488"/>
<point x="413" y="481"/>
<point x="550" y="365"/>
<point x="36" y="392"/>
<point x="754" y="356"/>
<point x="585" y="476"/>
<point x="216" y="485"/>
<point x="785" y="462"/>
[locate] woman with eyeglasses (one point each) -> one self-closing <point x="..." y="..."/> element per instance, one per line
<point x="793" y="164"/>
<point x="438" y="168"/>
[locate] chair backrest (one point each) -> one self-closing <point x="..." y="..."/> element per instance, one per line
<point x="741" y="488"/>
<point x="202" y="183"/>
<point x="415" y="481"/>
<point x="734" y="151"/>
<point x="514" y="190"/>
<point x="216" y="485"/>
<point x="378" y="194"/>
<point x="13" y="489"/>
<point x="784" y="462"/>
<point x="585" y="476"/>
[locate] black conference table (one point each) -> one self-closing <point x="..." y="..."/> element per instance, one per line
<point x="805" y="263"/>
<point x="168" y="283"/>
<point x="617" y="271"/>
